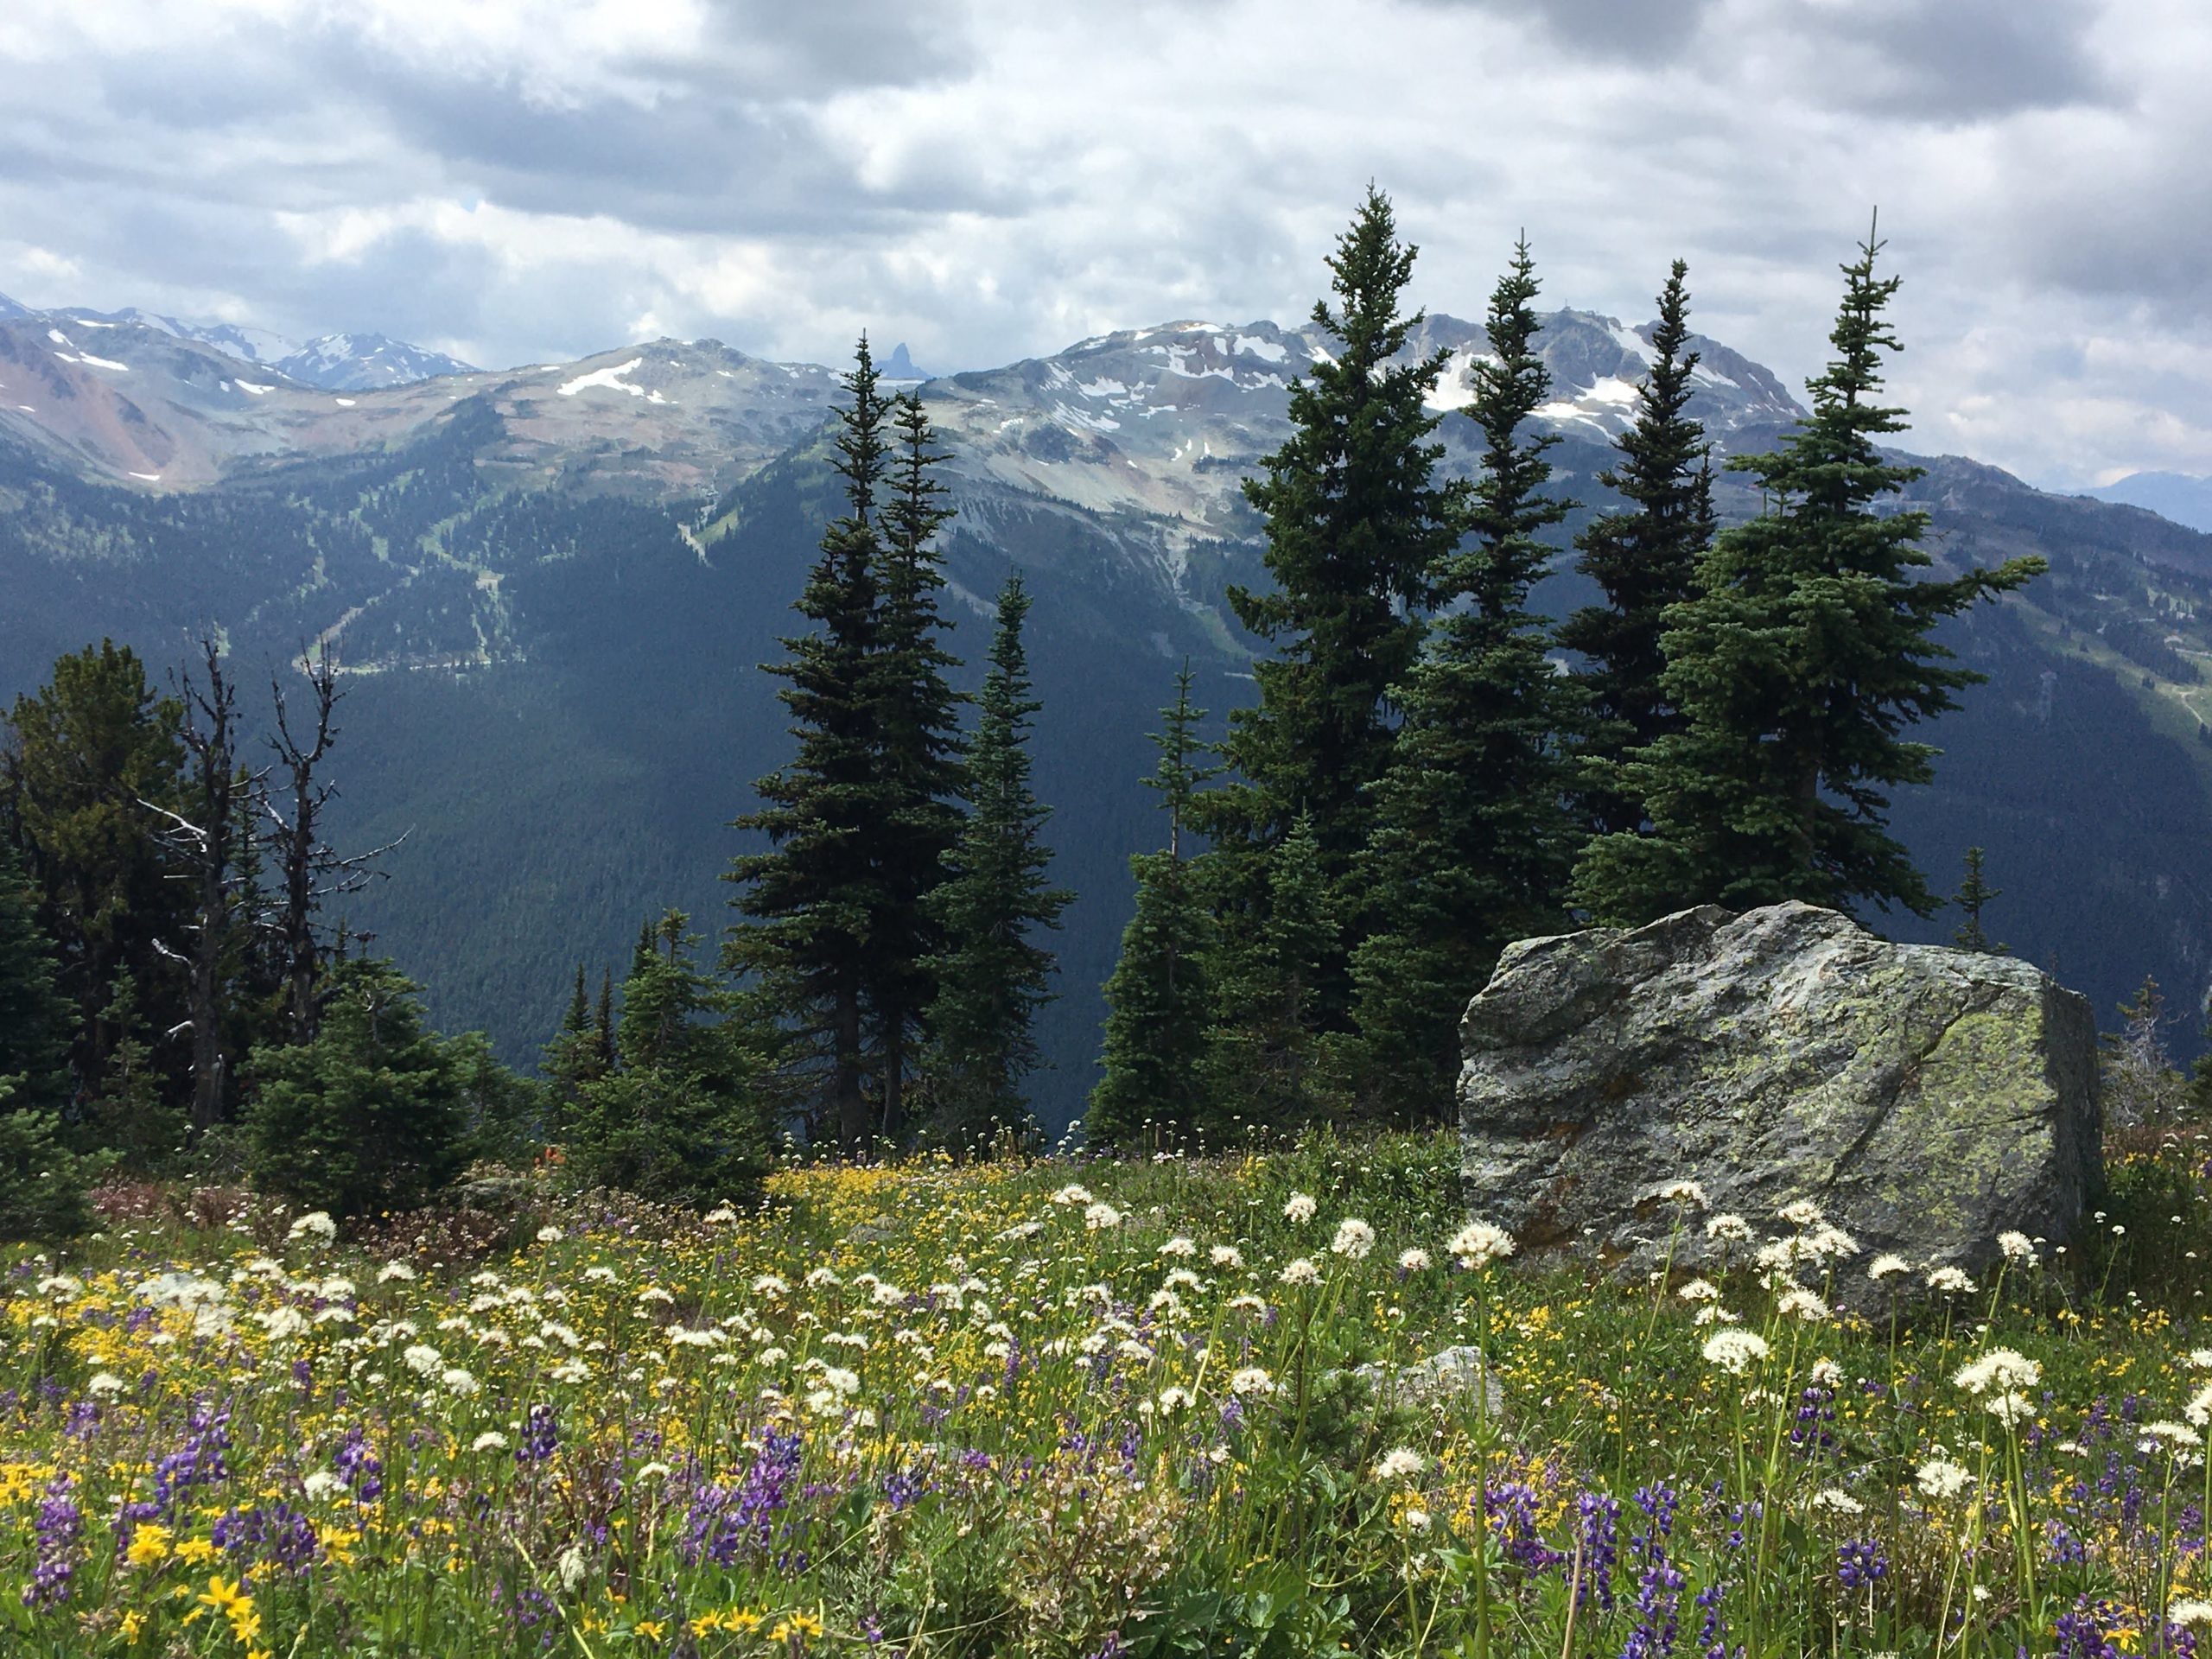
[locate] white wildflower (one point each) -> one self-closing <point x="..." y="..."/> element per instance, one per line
<point x="1887" y="1267"/>
<point x="1728" y="1229"/>
<point x="1071" y="1194"/>
<point x="1481" y="1242"/>
<point x="1834" y="1500"/>
<point x="1179" y="1246"/>
<point x="570" y="1566"/>
<point x="1301" y="1272"/>
<point x="1803" y="1304"/>
<point x="1354" y="1239"/>
<point x="1940" y="1478"/>
<point x="1226" y="1256"/>
<point x="1101" y="1217"/>
<point x="105" y="1385"/>
<point x="393" y="1270"/>
<point x="316" y="1225"/>
<point x="551" y="1234"/>
<point x="2017" y="1249"/>
<point x="2010" y="1409"/>
<point x="490" y="1440"/>
<point x="1950" y="1281"/>
<point x="1700" y="1290"/>
<point x="1299" y="1209"/>
<point x="1735" y="1352"/>
<point x="1399" y="1465"/>
<point x="457" y="1380"/>
<point x="1802" y="1212"/>
<point x="1416" y="1259"/>
<point x="1251" y="1380"/>
<point x="1687" y="1192"/>
<point x="1998" y="1370"/>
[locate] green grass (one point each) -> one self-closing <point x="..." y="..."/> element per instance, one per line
<point x="930" y="1409"/>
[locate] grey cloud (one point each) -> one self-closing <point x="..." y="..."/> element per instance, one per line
<point x="1953" y="61"/>
<point x="1620" y="30"/>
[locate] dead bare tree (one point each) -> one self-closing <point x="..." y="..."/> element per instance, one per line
<point x="312" y="871"/>
<point x="206" y="847"/>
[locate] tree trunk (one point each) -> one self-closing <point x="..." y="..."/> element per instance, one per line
<point x="853" y="1137"/>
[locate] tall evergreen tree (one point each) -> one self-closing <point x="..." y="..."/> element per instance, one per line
<point x="1357" y="523"/>
<point x="1644" y="558"/>
<point x="917" y="734"/>
<point x="1157" y="999"/>
<point x="85" y="756"/>
<point x="993" y="975"/>
<point x="813" y="899"/>
<point x="1472" y="843"/>
<point x="1806" y="651"/>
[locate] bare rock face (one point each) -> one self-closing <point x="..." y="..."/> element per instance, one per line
<point x="1926" y="1098"/>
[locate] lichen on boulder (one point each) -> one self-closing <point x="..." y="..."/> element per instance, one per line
<point x="1926" y="1098"/>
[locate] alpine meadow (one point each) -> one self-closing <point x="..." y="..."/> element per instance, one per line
<point x="1375" y="984"/>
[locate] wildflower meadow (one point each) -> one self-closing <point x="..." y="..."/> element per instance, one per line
<point x="1092" y="1408"/>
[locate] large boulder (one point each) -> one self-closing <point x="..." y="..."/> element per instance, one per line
<point x="1926" y="1098"/>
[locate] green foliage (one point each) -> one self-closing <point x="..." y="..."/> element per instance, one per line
<point x="1644" y="558"/>
<point x="1263" y="1059"/>
<point x="1159" y="1001"/>
<point x="1806" y="650"/>
<point x="129" y="1113"/>
<point x="84" y="756"/>
<point x="1472" y="843"/>
<point x="679" y="1119"/>
<point x="43" y="1185"/>
<point x="373" y="1114"/>
<point x="993" y="975"/>
<point x="33" y="1019"/>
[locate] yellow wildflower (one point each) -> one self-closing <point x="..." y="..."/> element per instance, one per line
<point x="148" y="1546"/>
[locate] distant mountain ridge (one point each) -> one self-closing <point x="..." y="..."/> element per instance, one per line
<point x="2181" y="496"/>
<point x="552" y="586"/>
<point x="341" y="362"/>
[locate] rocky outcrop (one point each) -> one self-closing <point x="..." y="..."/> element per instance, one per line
<point x="1927" y="1098"/>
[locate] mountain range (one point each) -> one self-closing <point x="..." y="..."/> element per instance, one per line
<point x="552" y="586"/>
<point x="2181" y="496"/>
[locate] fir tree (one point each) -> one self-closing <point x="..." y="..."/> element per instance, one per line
<point x="1975" y="895"/>
<point x="813" y="900"/>
<point x="993" y="974"/>
<point x="1806" y="650"/>
<point x="369" y="1116"/>
<point x="1471" y="841"/>
<point x="918" y="735"/>
<point x="573" y="1058"/>
<point x="602" y="1025"/>
<point x="1357" y="523"/>
<point x="1157" y="999"/>
<point x="677" y="1120"/>
<point x="1644" y="558"/>
<point x="1264" y="1053"/>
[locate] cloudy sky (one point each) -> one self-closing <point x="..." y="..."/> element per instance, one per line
<point x="514" y="180"/>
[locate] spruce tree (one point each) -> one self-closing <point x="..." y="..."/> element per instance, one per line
<point x="372" y="1114"/>
<point x="677" y="1120"/>
<point x="813" y="900"/>
<point x="1644" y="558"/>
<point x="1357" y="525"/>
<point x="1157" y="999"/>
<point x="918" y="735"/>
<point x="993" y="975"/>
<point x="1472" y="842"/>
<point x="573" y="1058"/>
<point x="1264" y="1053"/>
<point x="1974" y="895"/>
<point x="1806" y="650"/>
<point x="127" y="1112"/>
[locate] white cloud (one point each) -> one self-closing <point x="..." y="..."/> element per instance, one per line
<point x="994" y="179"/>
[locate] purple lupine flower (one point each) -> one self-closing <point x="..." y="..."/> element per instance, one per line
<point x="728" y="1523"/>
<point x="541" y="1433"/>
<point x="58" y="1526"/>
<point x="199" y="1462"/>
<point x="1600" y="1517"/>
<point x="1712" y="1628"/>
<point x="904" y="1487"/>
<point x="1809" y="1433"/>
<point x="2086" y="1632"/>
<point x="1658" y="1602"/>
<point x="275" y="1533"/>
<point x="1513" y="1507"/>
<point x="358" y="1466"/>
<point x="1860" y="1563"/>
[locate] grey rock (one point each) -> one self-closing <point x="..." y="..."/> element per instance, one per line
<point x="1927" y="1098"/>
<point x="1446" y="1377"/>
